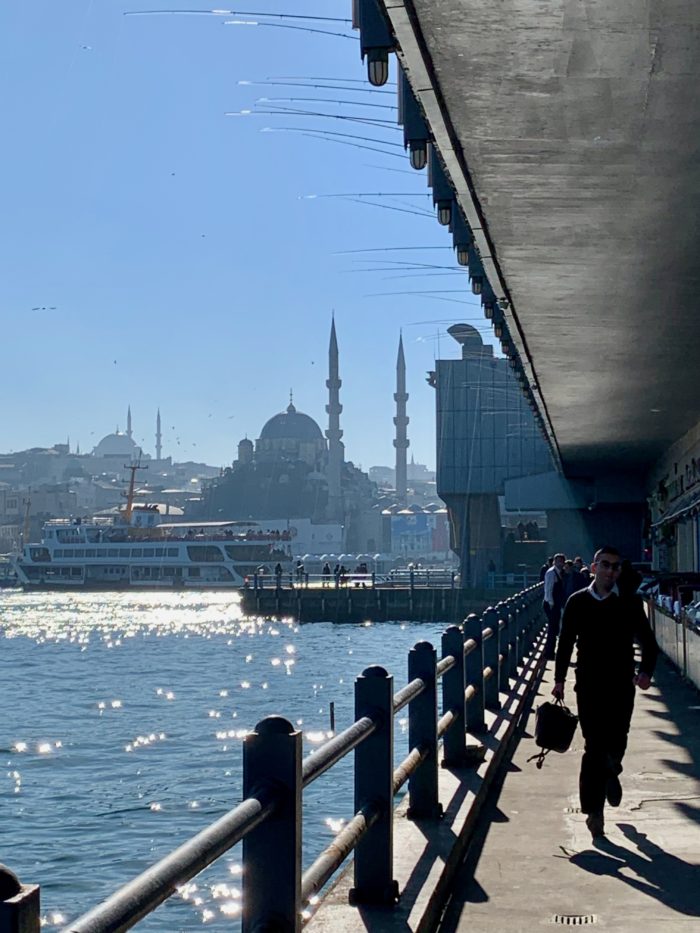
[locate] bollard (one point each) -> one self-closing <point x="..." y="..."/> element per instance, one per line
<point x="374" y="784"/>
<point x="19" y="904"/>
<point x="422" y="733"/>
<point x="490" y="652"/>
<point x="474" y="675"/>
<point x="272" y="851"/>
<point x="453" y="686"/>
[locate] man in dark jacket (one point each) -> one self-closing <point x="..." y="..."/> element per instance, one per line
<point x="604" y="622"/>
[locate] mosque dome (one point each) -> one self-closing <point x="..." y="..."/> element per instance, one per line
<point x="291" y="425"/>
<point x="115" y="445"/>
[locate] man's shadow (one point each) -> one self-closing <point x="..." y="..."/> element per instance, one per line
<point x="659" y="874"/>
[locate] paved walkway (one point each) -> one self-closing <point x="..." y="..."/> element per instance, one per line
<point x="533" y="865"/>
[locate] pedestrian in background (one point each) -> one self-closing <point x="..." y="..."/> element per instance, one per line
<point x="603" y="621"/>
<point x="554" y="599"/>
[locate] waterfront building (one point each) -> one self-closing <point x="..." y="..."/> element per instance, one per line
<point x="486" y="435"/>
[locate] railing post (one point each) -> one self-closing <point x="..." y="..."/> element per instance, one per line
<point x="520" y="618"/>
<point x="474" y="675"/>
<point x="489" y="620"/>
<point x="272" y="851"/>
<point x="19" y="904"/>
<point x="374" y="786"/>
<point x="422" y="733"/>
<point x="513" y="610"/>
<point x="529" y="624"/>
<point x="504" y="644"/>
<point x="453" y="686"/>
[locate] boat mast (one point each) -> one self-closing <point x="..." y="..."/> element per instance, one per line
<point x="132" y="468"/>
<point x="25" y="526"/>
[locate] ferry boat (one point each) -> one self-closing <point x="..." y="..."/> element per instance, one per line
<point x="137" y="548"/>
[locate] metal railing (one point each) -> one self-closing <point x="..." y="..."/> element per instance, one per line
<point x="678" y="638"/>
<point x="503" y="580"/>
<point x="478" y="659"/>
<point x="412" y="579"/>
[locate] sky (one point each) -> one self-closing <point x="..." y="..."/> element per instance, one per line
<point x="160" y="249"/>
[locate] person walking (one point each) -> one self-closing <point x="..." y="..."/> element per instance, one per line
<point x="582" y="577"/>
<point x="554" y="599"/>
<point x="545" y="567"/>
<point x="604" y="621"/>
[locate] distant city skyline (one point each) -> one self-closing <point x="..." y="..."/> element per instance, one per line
<point x="158" y="253"/>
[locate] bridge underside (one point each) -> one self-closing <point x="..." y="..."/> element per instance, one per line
<point x="574" y="126"/>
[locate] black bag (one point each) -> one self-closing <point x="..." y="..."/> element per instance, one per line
<point x="555" y="726"/>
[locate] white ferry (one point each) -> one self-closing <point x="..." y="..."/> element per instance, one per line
<point x="136" y="548"/>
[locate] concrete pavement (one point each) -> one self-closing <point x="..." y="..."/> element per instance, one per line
<point x="532" y="865"/>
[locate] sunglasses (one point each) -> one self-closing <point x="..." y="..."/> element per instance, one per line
<point x="610" y="565"/>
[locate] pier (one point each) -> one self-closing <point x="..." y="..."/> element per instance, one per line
<point x="413" y="596"/>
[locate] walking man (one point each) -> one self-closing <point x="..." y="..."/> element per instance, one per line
<point x="554" y="599"/>
<point x="604" y="623"/>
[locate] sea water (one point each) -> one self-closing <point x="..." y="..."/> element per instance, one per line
<point x="122" y="717"/>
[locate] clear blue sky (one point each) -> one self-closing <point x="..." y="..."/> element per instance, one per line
<point x="186" y="268"/>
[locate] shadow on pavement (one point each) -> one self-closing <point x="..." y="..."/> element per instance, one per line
<point x="658" y="874"/>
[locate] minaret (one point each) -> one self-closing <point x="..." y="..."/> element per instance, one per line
<point x="401" y="441"/>
<point x="129" y="432"/>
<point x="159" y="448"/>
<point x="336" y="451"/>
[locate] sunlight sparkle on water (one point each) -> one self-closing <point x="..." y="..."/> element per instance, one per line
<point x="136" y="673"/>
<point x="78" y="618"/>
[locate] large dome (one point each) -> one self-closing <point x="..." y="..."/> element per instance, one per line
<point x="291" y="425"/>
<point x="115" y="445"/>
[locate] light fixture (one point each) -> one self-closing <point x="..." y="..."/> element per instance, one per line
<point x="442" y="189"/>
<point x="378" y="66"/>
<point x="462" y="238"/>
<point x="444" y="212"/>
<point x="418" y="149"/>
<point x="415" y="129"/>
<point x="498" y="329"/>
<point x="476" y="271"/>
<point x="376" y="39"/>
<point x="488" y="310"/>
